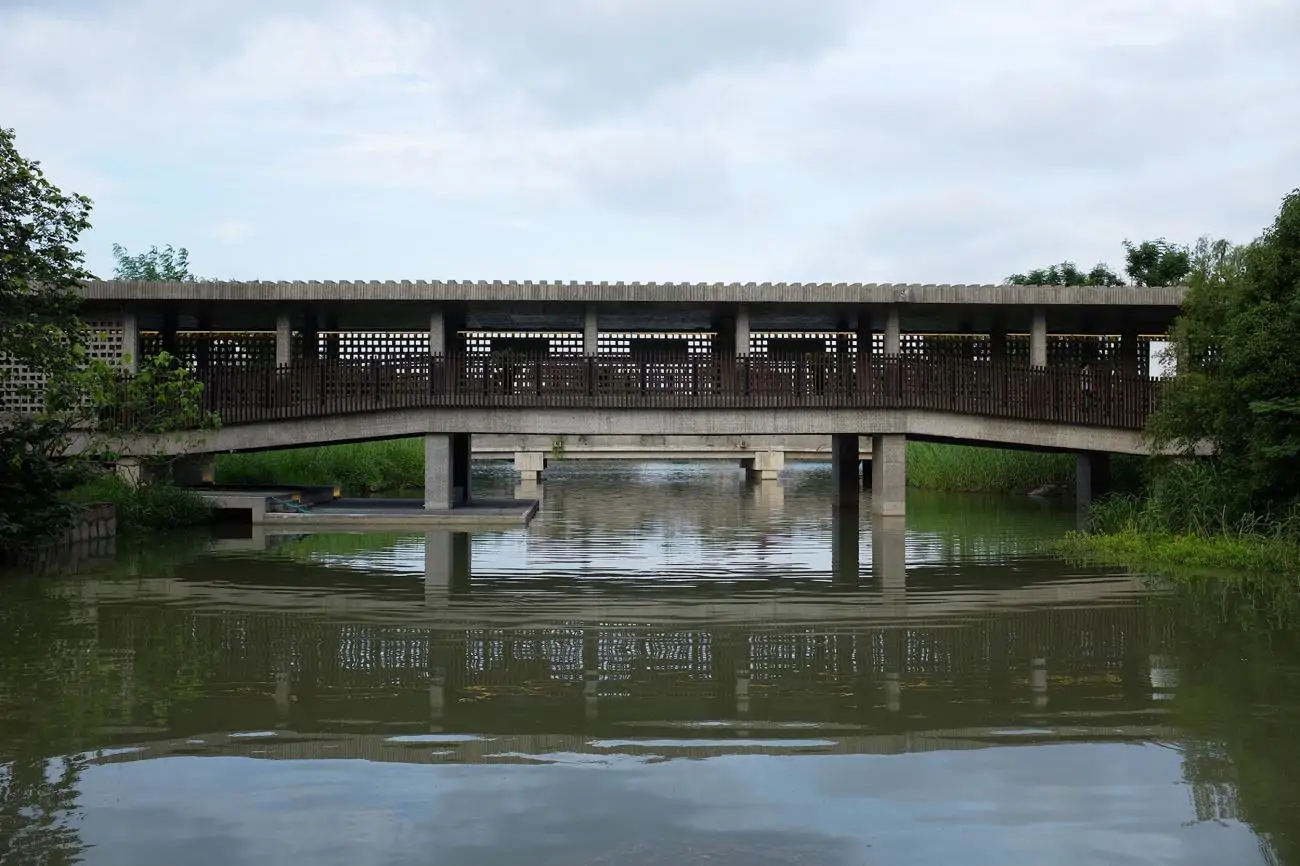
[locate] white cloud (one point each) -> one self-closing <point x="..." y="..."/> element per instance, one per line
<point x="768" y="139"/>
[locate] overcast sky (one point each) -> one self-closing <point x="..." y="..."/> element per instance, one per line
<point x="824" y="140"/>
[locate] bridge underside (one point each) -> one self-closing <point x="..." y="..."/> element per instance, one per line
<point x="913" y="423"/>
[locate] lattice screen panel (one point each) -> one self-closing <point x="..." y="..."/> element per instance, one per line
<point x="558" y="343"/>
<point x="616" y="343"/>
<point x="20" y="386"/>
<point x="197" y="349"/>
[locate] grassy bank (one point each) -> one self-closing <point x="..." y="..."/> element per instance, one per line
<point x="143" y="509"/>
<point x="1199" y="553"/>
<point x="398" y="464"/>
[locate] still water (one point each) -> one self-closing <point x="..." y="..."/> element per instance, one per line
<point x="668" y="666"/>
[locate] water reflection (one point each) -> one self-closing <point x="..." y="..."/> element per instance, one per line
<point x="757" y="679"/>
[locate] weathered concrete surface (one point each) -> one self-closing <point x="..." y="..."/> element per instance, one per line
<point x="501" y="446"/>
<point x="354" y="517"/>
<point x="915" y="423"/>
<point x="889" y="475"/>
<point x="605" y="292"/>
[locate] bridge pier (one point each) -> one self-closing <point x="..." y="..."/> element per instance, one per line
<point x="1091" y="476"/>
<point x="530" y="465"/>
<point x="845" y="455"/>
<point x="446" y="470"/>
<point x="765" y="465"/>
<point x="889" y="474"/>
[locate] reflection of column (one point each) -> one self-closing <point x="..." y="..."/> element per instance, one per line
<point x="437" y="690"/>
<point x="770" y="498"/>
<point x="889" y="562"/>
<point x="742" y="678"/>
<point x="846" y="558"/>
<point x="282" y="698"/>
<point x="1038" y="682"/>
<point x="529" y="490"/>
<point x="447" y="563"/>
<point x="590" y="673"/>
<point x="1164" y="677"/>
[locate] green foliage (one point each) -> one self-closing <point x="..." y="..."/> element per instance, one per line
<point x="147" y="507"/>
<point x="1067" y="274"/>
<point x="1157" y="263"/>
<point x="169" y="265"/>
<point x="161" y="397"/>
<point x="1239" y="364"/>
<point x="31" y="477"/>
<point x="40" y="269"/>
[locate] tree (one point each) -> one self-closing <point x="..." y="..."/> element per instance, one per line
<point x="1239" y="364"/>
<point x="43" y="339"/>
<point x="39" y="268"/>
<point x="1067" y="274"/>
<point x="1157" y="263"/>
<point x="166" y="265"/>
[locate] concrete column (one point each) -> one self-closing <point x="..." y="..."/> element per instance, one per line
<point x="998" y="344"/>
<point x="130" y="472"/>
<point x="283" y="339"/>
<point x="1131" y="361"/>
<point x="130" y="343"/>
<point x="590" y="331"/>
<point x="844" y="466"/>
<point x="310" y="334"/>
<point x="1091" y="476"/>
<point x="462" y="458"/>
<point x="437" y="332"/>
<point x="1038" y="338"/>
<point x="530" y="465"/>
<point x="889" y="323"/>
<point x="170" y="331"/>
<point x="438" y="474"/>
<point x="889" y="474"/>
<point x="742" y="330"/>
<point x="768" y="465"/>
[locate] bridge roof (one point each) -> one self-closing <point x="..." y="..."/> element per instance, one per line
<point x="467" y="291"/>
<point x="543" y="305"/>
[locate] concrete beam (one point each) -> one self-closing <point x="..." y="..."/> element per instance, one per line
<point x="918" y="423"/>
<point x="889" y="474"/>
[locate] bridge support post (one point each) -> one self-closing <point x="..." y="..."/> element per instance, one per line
<point x="590" y="331"/>
<point x="1091" y="476"/>
<point x="283" y="339"/>
<point x="530" y="465"/>
<point x="1038" y="338"/>
<point x="844" y="466"/>
<point x="193" y="470"/>
<point x="889" y="474"/>
<point x="767" y="465"/>
<point x="446" y="470"/>
<point x="130" y="343"/>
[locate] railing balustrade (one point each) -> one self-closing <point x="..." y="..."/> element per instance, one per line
<point x="1100" y="396"/>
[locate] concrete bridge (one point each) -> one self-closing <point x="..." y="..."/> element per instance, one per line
<point x="292" y="363"/>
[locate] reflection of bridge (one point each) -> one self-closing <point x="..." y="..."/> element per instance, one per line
<point x="288" y="364"/>
<point x="348" y="661"/>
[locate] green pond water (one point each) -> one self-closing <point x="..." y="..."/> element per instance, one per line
<point x="668" y="666"/>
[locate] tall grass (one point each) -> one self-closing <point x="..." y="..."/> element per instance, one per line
<point x="360" y="469"/>
<point x="971" y="469"/>
<point x="145" y="508"/>
<point x="1188" y="518"/>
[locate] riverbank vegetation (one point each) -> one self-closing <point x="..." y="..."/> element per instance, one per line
<point x="49" y="369"/>
<point x="1237" y="393"/>
<point x="144" y="507"/>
